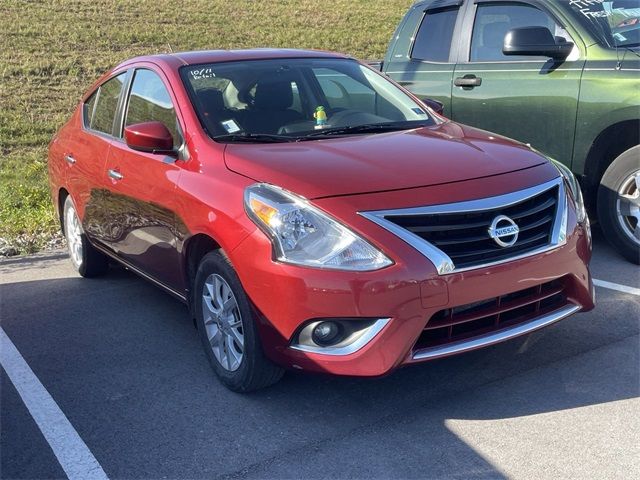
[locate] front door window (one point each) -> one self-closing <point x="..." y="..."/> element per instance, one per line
<point x="492" y="23"/>
<point x="149" y="101"/>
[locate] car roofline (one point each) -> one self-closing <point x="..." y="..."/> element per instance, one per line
<point x="197" y="57"/>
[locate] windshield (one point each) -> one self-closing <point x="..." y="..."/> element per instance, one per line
<point x="615" y="23"/>
<point x="294" y="99"/>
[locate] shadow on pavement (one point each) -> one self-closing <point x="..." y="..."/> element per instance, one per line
<point x="123" y="361"/>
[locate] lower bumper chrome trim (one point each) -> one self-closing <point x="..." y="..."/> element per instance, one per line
<point x="431" y="353"/>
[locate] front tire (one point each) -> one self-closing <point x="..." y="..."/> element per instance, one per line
<point x="88" y="261"/>
<point x="619" y="204"/>
<point x="227" y="327"/>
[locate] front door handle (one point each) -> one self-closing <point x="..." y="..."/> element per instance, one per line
<point x="468" y="81"/>
<point x="69" y="158"/>
<point x="114" y="174"/>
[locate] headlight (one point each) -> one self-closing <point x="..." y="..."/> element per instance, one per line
<point x="303" y="235"/>
<point x="574" y="187"/>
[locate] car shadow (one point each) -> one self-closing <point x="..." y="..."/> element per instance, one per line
<point x="123" y="361"/>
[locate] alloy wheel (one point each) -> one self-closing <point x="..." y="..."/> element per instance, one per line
<point x="223" y="322"/>
<point x="628" y="206"/>
<point x="73" y="231"/>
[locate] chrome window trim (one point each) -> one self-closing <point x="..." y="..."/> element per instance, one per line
<point x="369" y="334"/>
<point x="443" y="263"/>
<point x="431" y="353"/>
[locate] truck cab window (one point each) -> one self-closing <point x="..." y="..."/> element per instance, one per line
<point x="492" y="23"/>
<point x="433" y="40"/>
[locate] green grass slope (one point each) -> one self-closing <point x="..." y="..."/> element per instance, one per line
<point x="52" y="50"/>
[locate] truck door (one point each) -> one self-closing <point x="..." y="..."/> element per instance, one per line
<point x="425" y="65"/>
<point x="529" y="98"/>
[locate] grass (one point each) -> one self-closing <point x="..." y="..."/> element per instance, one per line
<point x="51" y="51"/>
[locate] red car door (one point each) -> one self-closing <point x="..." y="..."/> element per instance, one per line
<point x="140" y="196"/>
<point x="86" y="150"/>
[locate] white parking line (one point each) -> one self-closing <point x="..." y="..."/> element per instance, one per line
<point x="616" y="286"/>
<point x="73" y="454"/>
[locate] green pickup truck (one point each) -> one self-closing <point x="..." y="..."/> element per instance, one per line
<point x="562" y="76"/>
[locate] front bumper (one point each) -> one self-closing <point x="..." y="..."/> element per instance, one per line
<point x="408" y="293"/>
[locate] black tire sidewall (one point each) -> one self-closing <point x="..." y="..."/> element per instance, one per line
<point x="611" y="181"/>
<point x="238" y="380"/>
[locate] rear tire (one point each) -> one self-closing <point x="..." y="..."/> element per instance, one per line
<point x="88" y="261"/>
<point x="619" y="204"/>
<point x="227" y="327"/>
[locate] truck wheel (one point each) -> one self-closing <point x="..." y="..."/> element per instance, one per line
<point x="227" y="327"/>
<point x="88" y="261"/>
<point x="619" y="204"/>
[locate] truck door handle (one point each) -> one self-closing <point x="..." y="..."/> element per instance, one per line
<point x="69" y="158"/>
<point x="468" y="81"/>
<point x="114" y="174"/>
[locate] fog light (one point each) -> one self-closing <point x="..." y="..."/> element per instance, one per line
<point x="339" y="336"/>
<point x="326" y="333"/>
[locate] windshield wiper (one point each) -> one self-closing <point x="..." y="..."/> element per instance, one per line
<point x="365" y="128"/>
<point x="254" y="138"/>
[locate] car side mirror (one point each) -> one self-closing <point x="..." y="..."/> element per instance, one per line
<point x="535" y="41"/>
<point x="434" y="105"/>
<point x="151" y="137"/>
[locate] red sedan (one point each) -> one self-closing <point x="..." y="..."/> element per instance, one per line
<point x="315" y="215"/>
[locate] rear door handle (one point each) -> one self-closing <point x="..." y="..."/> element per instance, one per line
<point x="114" y="174"/>
<point x="468" y="81"/>
<point x="69" y="158"/>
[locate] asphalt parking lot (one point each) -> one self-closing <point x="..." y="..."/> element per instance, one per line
<point x="122" y="361"/>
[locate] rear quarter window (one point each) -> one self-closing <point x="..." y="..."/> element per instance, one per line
<point x="88" y="107"/>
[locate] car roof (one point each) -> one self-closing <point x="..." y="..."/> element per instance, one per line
<point x="176" y="60"/>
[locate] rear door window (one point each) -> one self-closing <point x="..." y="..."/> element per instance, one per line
<point x="433" y="40"/>
<point x="100" y="108"/>
<point x="149" y="101"/>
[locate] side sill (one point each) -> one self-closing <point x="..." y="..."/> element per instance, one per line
<point x="137" y="271"/>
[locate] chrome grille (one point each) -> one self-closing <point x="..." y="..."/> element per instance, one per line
<point x="456" y="236"/>
<point x="464" y="236"/>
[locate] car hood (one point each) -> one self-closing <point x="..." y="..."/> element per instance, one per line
<point x="365" y="163"/>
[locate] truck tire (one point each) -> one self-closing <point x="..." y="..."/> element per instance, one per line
<point x="619" y="204"/>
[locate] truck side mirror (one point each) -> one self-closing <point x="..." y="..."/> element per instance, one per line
<point x="434" y="105"/>
<point x="535" y="41"/>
